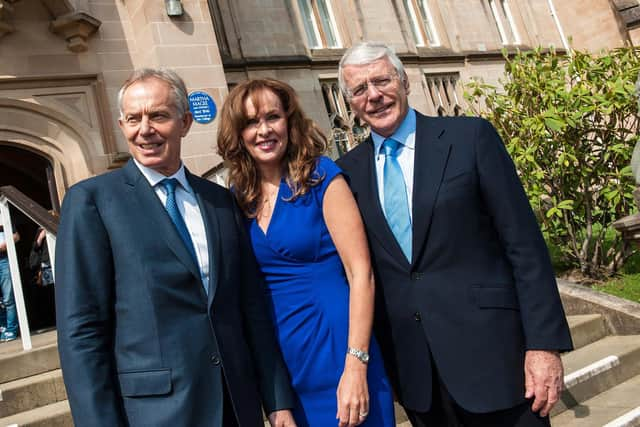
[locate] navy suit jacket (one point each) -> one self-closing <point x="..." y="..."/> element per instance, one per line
<point x="140" y="342"/>
<point x="479" y="290"/>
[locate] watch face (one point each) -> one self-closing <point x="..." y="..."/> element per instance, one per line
<point x="361" y="355"/>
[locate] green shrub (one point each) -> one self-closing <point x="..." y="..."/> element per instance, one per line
<point x="570" y="124"/>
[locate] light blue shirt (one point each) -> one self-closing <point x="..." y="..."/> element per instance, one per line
<point x="406" y="135"/>
<point x="189" y="209"/>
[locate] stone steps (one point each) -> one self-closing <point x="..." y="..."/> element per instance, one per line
<point x="55" y="414"/>
<point x="16" y="363"/>
<point x="607" y="408"/>
<point x="32" y="392"/>
<point x="31" y="388"/>
<point x="586" y="328"/>
<point x="603" y="377"/>
<point x="597" y="367"/>
<point x="592" y="345"/>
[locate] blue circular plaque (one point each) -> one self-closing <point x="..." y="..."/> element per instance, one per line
<point x="202" y="107"/>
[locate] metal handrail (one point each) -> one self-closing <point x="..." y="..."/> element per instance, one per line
<point x="42" y="217"/>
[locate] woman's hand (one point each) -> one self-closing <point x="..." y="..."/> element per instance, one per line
<point x="281" y="418"/>
<point x="353" y="394"/>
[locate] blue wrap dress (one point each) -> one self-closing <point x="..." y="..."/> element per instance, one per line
<point x="307" y="289"/>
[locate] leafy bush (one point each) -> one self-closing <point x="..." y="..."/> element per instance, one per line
<point x="570" y="124"/>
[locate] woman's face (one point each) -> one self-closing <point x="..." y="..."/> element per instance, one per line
<point x="265" y="134"/>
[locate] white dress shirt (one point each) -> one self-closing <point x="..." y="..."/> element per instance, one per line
<point x="190" y="211"/>
<point x="406" y="136"/>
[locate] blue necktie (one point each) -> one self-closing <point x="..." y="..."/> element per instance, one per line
<point x="396" y="204"/>
<point x="170" y="184"/>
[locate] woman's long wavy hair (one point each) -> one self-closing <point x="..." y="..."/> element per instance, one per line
<point x="306" y="143"/>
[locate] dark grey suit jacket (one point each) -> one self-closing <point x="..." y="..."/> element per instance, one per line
<point x="140" y="342"/>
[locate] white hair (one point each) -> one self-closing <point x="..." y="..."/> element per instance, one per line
<point x="366" y="53"/>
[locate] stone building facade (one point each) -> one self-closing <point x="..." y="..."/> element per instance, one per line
<point x="62" y="61"/>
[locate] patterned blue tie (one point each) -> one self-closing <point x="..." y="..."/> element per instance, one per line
<point x="170" y="184"/>
<point x="396" y="204"/>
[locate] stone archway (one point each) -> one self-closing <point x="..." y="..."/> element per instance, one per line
<point x="42" y="152"/>
<point x="59" y="139"/>
<point x="29" y="172"/>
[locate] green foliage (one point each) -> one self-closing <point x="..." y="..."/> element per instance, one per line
<point x="570" y="124"/>
<point x="627" y="287"/>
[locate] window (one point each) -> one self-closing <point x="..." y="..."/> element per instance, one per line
<point x="421" y="20"/>
<point x="443" y="93"/>
<point x="502" y="15"/>
<point x="346" y="129"/>
<point x="319" y="23"/>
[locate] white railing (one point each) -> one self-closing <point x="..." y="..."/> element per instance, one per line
<point x="11" y="196"/>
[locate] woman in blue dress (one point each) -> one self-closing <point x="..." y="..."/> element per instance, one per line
<point x="310" y="243"/>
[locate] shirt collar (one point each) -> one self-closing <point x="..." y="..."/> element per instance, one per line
<point x="402" y="134"/>
<point x="155" y="177"/>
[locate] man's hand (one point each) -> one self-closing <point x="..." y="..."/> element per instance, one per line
<point x="543" y="378"/>
<point x="282" y="418"/>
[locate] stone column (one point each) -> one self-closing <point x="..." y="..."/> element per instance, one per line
<point x="186" y="44"/>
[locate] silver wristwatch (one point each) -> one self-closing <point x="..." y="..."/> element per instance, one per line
<point x="362" y="356"/>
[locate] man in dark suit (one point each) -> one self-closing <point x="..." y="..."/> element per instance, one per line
<point x="160" y="315"/>
<point x="468" y="312"/>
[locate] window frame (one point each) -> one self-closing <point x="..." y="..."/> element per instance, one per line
<point x="442" y="90"/>
<point x="501" y="12"/>
<point x="316" y="21"/>
<point x="352" y="132"/>
<point x="422" y="26"/>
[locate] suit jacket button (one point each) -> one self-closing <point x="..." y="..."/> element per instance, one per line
<point x="215" y="360"/>
<point x="417" y="317"/>
<point x="416" y="276"/>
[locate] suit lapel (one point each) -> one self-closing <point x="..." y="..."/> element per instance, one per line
<point x="372" y="212"/>
<point x="148" y="202"/>
<point x="212" y="229"/>
<point x="431" y="156"/>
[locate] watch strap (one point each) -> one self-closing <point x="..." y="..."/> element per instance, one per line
<point x="361" y="355"/>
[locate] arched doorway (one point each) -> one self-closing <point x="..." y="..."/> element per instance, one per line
<point x="32" y="174"/>
<point x="43" y="150"/>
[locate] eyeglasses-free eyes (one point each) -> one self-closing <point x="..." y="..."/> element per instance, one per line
<point x="380" y="83"/>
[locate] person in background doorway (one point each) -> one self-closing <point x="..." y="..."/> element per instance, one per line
<point x="39" y="260"/>
<point x="8" y="313"/>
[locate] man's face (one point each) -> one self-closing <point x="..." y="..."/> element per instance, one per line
<point x="152" y="126"/>
<point x="378" y="94"/>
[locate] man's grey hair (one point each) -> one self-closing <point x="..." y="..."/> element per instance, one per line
<point x="366" y="53"/>
<point x="172" y="78"/>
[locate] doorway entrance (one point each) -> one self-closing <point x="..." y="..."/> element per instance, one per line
<point x="32" y="174"/>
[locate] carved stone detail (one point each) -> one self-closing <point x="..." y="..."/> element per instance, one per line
<point x="75" y="28"/>
<point x="629" y="12"/>
<point x="5" y="10"/>
<point x="58" y="7"/>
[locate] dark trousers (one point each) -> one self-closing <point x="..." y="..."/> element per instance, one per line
<point x="228" y="416"/>
<point x="445" y="412"/>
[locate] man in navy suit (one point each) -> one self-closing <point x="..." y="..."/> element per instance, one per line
<point x="468" y="312"/>
<point x="160" y="315"/>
